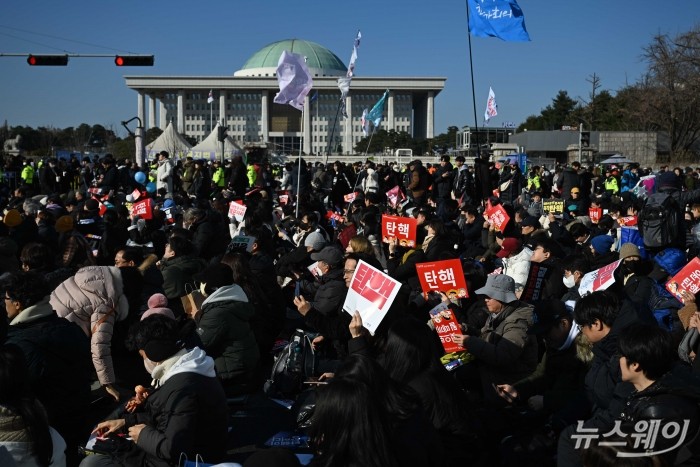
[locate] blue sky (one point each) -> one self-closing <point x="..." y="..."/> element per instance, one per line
<point x="570" y="41"/>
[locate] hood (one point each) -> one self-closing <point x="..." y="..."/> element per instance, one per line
<point x="227" y="293"/>
<point x="524" y="255"/>
<point x="40" y="310"/>
<point x="194" y="361"/>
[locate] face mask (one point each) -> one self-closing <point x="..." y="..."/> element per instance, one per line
<point x="149" y="365"/>
<point x="569" y="281"/>
<point x="303" y="225"/>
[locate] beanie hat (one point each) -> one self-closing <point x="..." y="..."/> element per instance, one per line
<point x="64" y="224"/>
<point x="628" y="250"/>
<point x="158" y="305"/>
<point x="602" y="244"/>
<point x="12" y="218"/>
<point x="668" y="181"/>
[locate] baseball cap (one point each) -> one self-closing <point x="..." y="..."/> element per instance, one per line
<point x="509" y="246"/>
<point x="329" y="255"/>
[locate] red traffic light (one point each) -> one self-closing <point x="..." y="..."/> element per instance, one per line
<point x="133" y="60"/>
<point x="47" y="60"/>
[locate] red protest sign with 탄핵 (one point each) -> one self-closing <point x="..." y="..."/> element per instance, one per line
<point x="402" y="228"/>
<point x="443" y="276"/>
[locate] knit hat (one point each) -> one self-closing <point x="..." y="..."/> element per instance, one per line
<point x="12" y="218"/>
<point x="64" y="224"/>
<point x="158" y="305"/>
<point x="602" y="244"/>
<point x="628" y="250"/>
<point x="315" y="240"/>
<point x="668" y="181"/>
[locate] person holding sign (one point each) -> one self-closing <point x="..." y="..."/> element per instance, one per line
<point x="505" y="352"/>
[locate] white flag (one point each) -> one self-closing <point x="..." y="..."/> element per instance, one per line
<point x="491" y="106"/>
<point x="294" y="79"/>
<point x="211" y="97"/>
<point x="344" y="82"/>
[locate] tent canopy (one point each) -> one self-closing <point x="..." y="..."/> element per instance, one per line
<point x="210" y="147"/>
<point x="170" y="140"/>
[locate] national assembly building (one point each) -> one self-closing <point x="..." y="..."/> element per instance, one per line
<point x="244" y="102"/>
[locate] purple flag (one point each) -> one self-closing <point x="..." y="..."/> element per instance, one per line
<point x="294" y="80"/>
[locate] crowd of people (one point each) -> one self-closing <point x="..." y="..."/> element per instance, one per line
<point x="167" y="313"/>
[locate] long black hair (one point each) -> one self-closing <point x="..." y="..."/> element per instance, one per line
<point x="348" y="428"/>
<point x="17" y="396"/>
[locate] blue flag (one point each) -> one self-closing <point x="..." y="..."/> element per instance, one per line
<point x="497" y="18"/>
<point x="375" y="115"/>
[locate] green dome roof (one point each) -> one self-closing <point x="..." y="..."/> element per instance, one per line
<point x="317" y="57"/>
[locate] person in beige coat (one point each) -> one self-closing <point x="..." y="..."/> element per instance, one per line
<point x="94" y="299"/>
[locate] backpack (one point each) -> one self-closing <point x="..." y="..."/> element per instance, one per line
<point x="658" y="221"/>
<point x="293" y="364"/>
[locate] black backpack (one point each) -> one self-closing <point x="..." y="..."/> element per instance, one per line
<point x="294" y="363"/>
<point x="659" y="221"/>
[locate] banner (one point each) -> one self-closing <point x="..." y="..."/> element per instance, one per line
<point x="555" y="206"/>
<point x="498" y="217"/>
<point x="237" y="209"/>
<point x="371" y="293"/>
<point x="143" y="209"/>
<point x="446" y="325"/>
<point x="687" y="279"/>
<point x="395" y="196"/>
<point x="535" y="282"/>
<point x="497" y="18"/>
<point x="401" y="228"/>
<point x="600" y="279"/>
<point x="443" y="276"/>
<point x="491" y="106"/>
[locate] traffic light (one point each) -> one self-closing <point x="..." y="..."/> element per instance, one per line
<point x="47" y="60"/>
<point x="221" y="133"/>
<point x="585" y="139"/>
<point x="133" y="60"/>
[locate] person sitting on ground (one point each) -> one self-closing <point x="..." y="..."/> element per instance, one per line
<point x="184" y="413"/>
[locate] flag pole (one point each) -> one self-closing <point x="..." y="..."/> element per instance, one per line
<point x="471" y="70"/>
<point x="301" y="145"/>
<point x="370" y="140"/>
<point x="330" y="139"/>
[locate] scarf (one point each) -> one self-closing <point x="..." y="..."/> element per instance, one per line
<point x="12" y="428"/>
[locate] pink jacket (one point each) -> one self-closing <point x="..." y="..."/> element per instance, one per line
<point x="94" y="300"/>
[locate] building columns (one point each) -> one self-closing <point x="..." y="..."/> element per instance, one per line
<point x="151" y="111"/>
<point x="390" y="112"/>
<point x="348" y="139"/>
<point x="222" y="107"/>
<point x="264" y="117"/>
<point x="141" y="109"/>
<point x="306" y="124"/>
<point x="163" y="115"/>
<point x="430" y="116"/>
<point x="181" y="111"/>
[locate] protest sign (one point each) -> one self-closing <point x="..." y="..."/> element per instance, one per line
<point x="283" y="196"/>
<point x="143" y="209"/>
<point x="687" y="279"/>
<point x="371" y="293"/>
<point x="443" y="276"/>
<point x="554" y="206"/>
<point x="498" y="217"/>
<point x="627" y="221"/>
<point x="350" y="197"/>
<point x="236" y="209"/>
<point x="136" y="194"/>
<point x="446" y="325"/>
<point x="395" y="196"/>
<point x="595" y="214"/>
<point x="535" y="282"/>
<point x="242" y="242"/>
<point x="600" y="279"/>
<point x="401" y="228"/>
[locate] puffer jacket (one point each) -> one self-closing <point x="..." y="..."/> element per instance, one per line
<point x="224" y="326"/>
<point x="94" y="300"/>
<point x="164" y="175"/>
<point x="505" y="351"/>
<point x="177" y="272"/>
<point x="518" y="267"/>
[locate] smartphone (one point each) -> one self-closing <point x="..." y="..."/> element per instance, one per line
<point x="297" y="289"/>
<point x="502" y="393"/>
